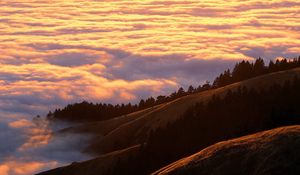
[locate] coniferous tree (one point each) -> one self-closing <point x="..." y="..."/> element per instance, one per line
<point x="161" y="99"/>
<point x="142" y="104"/>
<point x="242" y="71"/>
<point x="191" y="90"/>
<point x="180" y="92"/>
<point x="206" y="86"/>
<point x="259" y="67"/>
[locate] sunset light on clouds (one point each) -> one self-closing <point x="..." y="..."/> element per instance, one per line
<point x="63" y="47"/>
<point x="58" y="52"/>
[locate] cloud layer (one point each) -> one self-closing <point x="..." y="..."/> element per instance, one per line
<point x="66" y="51"/>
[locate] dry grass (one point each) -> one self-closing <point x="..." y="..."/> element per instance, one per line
<point x="269" y="152"/>
<point x="102" y="128"/>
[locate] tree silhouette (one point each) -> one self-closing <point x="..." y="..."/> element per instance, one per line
<point x="180" y="92"/>
<point x="242" y="71"/>
<point x="259" y="67"/>
<point x="191" y="90"/>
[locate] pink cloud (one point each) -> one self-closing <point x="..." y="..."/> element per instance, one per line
<point x="24" y="168"/>
<point x="22" y="123"/>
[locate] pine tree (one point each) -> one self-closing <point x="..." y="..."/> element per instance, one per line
<point x="180" y="92"/>
<point x="259" y="67"/>
<point x="191" y="90"/>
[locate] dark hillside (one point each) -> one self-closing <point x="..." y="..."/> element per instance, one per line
<point x="239" y="113"/>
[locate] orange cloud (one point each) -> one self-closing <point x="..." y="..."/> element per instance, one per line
<point x="38" y="137"/>
<point x="60" y="53"/>
<point x="20" y="123"/>
<point x="4" y="169"/>
<point x="24" y="168"/>
<point x="169" y="25"/>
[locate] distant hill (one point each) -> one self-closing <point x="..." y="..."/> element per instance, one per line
<point x="98" y="166"/>
<point x="271" y="152"/>
<point x="137" y="131"/>
<point x="102" y="128"/>
<point x="175" y="129"/>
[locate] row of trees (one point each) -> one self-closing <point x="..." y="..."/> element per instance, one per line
<point x="239" y="113"/>
<point x="86" y="111"/>
<point x="245" y="70"/>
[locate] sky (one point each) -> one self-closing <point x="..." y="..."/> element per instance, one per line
<point x="63" y="51"/>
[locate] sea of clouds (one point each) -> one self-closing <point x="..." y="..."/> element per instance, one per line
<point x="60" y="52"/>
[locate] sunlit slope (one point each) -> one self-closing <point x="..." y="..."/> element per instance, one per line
<point x="98" y="166"/>
<point x="102" y="128"/>
<point x="270" y="152"/>
<point x="135" y="131"/>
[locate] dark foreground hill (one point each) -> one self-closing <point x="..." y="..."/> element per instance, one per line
<point x="271" y="152"/>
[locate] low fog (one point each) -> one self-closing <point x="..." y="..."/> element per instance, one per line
<point x="31" y="146"/>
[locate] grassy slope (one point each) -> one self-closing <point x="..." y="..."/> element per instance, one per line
<point x="102" y="128"/>
<point x="269" y="152"/>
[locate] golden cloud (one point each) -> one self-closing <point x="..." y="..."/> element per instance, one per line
<point x="24" y="168"/>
